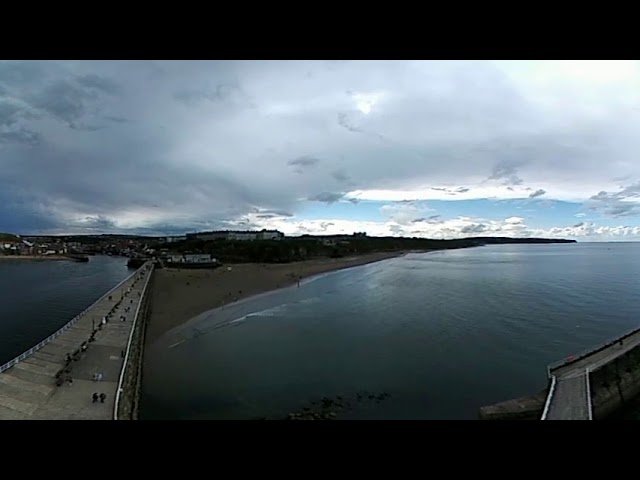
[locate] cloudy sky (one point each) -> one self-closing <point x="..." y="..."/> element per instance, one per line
<point x="438" y="149"/>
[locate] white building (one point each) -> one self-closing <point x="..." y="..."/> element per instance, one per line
<point x="176" y="238"/>
<point x="242" y="236"/>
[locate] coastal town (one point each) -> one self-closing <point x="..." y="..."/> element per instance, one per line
<point x="228" y="246"/>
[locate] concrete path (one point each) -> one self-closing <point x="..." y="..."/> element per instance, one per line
<point x="28" y="390"/>
<point x="569" y="401"/>
<point x="570" y="398"/>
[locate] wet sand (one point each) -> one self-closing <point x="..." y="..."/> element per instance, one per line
<point x="179" y="295"/>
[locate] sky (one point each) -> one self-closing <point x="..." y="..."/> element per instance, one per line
<point x="436" y="149"/>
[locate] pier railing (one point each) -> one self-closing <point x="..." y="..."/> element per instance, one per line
<point x="590" y="351"/>
<point x="125" y="363"/>
<point x="66" y="327"/>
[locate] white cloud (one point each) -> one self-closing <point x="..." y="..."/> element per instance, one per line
<point x="459" y="227"/>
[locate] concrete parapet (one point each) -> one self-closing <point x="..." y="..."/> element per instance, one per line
<point x="615" y="384"/>
<point x="127" y="406"/>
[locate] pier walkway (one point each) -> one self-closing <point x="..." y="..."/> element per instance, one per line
<point x="28" y="384"/>
<point x="569" y="397"/>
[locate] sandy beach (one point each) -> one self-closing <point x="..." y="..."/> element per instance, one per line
<point x="180" y="295"/>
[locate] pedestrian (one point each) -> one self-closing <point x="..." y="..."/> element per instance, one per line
<point x="122" y="353"/>
<point x="100" y="376"/>
<point x="94" y="377"/>
<point x="102" y="397"/>
<point x="95" y="397"/>
<point x="104" y="320"/>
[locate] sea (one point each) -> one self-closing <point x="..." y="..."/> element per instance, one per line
<point x="39" y="297"/>
<point x="424" y="336"/>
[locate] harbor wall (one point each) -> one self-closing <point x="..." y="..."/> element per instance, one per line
<point x="615" y="384"/>
<point x="523" y="408"/>
<point x="127" y="406"/>
<point x="613" y="387"/>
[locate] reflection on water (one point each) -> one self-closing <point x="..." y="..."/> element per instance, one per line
<point x="443" y="333"/>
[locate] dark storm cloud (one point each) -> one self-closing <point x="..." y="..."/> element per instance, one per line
<point x="62" y="100"/>
<point x="341" y="176"/>
<point x="179" y="145"/>
<point x="508" y="171"/>
<point x="617" y="204"/>
<point x="305" y="161"/>
<point x="20" y="136"/>
<point x="115" y="119"/>
<point x="327" y="197"/>
<point x="429" y="219"/>
<point x="99" y="83"/>
<point x="475" y="228"/>
<point x="537" y="193"/>
<point x="272" y="213"/>
<point x="346" y="122"/>
<point x="230" y="93"/>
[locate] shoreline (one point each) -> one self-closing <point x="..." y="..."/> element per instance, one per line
<point x="180" y="295"/>
<point x="35" y="258"/>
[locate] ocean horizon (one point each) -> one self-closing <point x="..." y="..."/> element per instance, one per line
<point x="440" y="334"/>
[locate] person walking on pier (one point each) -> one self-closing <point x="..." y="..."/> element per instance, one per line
<point x="102" y="397"/>
<point x="95" y="397"/>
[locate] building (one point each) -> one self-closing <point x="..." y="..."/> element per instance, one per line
<point x="176" y="238"/>
<point x="237" y="235"/>
<point x="242" y="236"/>
<point x="270" y="235"/>
<point x="207" y="236"/>
<point x="191" y="258"/>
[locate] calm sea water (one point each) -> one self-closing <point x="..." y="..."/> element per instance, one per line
<point x="444" y="333"/>
<point x="37" y="298"/>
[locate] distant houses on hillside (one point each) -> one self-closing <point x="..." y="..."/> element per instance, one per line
<point x="236" y="235"/>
